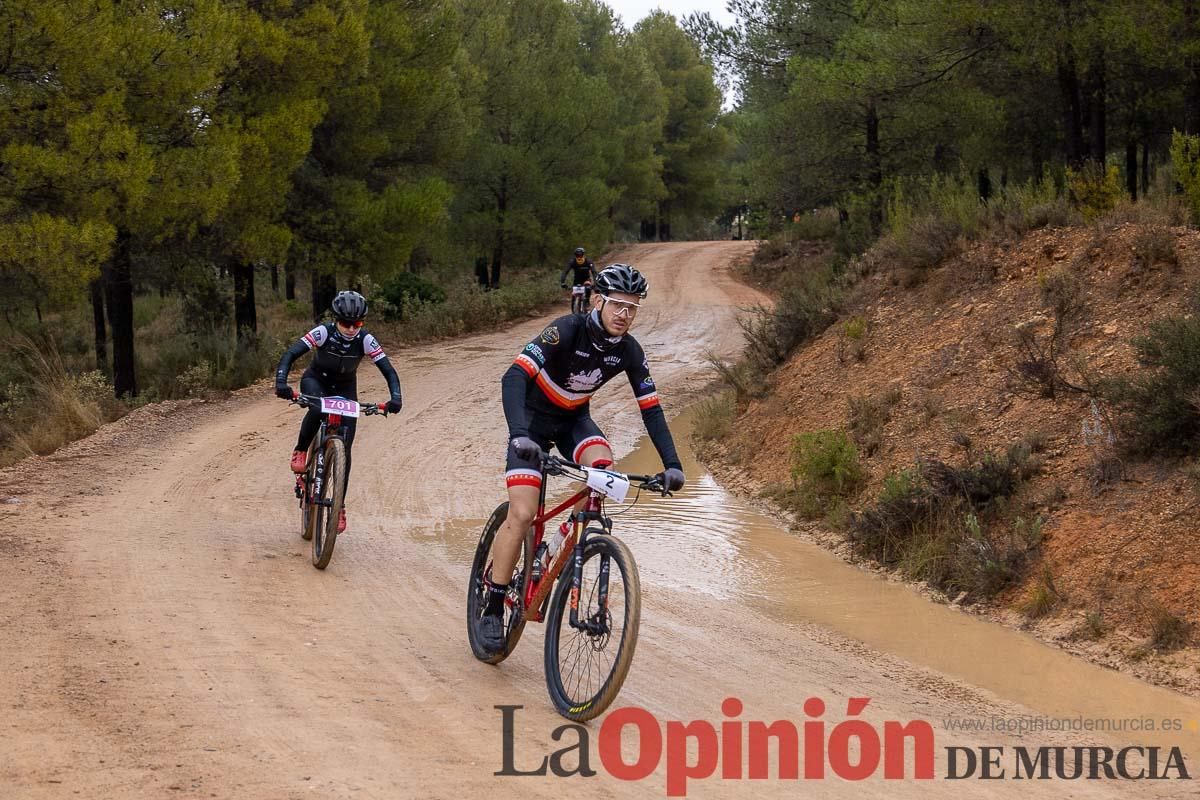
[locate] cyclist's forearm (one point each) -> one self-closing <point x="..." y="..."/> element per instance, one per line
<point x="289" y="356"/>
<point x="656" y="425"/>
<point x="512" y="389"/>
<point x="389" y="374"/>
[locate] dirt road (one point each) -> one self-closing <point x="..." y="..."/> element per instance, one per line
<point x="165" y="636"/>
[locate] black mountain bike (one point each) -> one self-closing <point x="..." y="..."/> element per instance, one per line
<point x="581" y="294"/>
<point x="321" y="487"/>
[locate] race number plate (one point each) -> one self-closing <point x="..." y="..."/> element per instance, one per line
<point x="339" y="405"/>
<point x="613" y="484"/>
<point x="577" y="289"/>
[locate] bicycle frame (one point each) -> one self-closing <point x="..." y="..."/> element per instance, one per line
<point x="537" y="592"/>
<point x="331" y="426"/>
<point x="328" y="422"/>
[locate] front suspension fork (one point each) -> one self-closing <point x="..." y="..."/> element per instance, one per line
<point x="597" y="623"/>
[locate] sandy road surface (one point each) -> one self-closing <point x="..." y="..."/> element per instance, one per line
<point x="163" y="634"/>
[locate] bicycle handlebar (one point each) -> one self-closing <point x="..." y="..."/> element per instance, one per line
<point x="367" y="409"/>
<point x="553" y="465"/>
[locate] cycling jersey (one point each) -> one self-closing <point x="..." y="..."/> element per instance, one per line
<point x="557" y="373"/>
<point x="336" y="356"/>
<point x="583" y="272"/>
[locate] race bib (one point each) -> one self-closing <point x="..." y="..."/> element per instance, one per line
<point x="613" y="484"/>
<point x="339" y="405"/>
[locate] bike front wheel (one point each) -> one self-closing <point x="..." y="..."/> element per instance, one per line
<point x="585" y="668"/>
<point x="514" y="613"/>
<point x="308" y="515"/>
<point x="325" y="514"/>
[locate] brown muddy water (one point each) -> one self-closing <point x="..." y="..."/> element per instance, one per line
<point x="707" y="540"/>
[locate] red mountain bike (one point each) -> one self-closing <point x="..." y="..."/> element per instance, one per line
<point x="590" y="647"/>
<point x="320" y="488"/>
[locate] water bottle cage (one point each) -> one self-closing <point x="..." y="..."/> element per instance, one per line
<point x="538" y="558"/>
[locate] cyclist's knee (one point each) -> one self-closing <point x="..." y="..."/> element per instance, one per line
<point x="596" y="455"/>
<point x="522" y="505"/>
<point x="522" y="514"/>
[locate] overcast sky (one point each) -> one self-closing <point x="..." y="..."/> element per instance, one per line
<point x="631" y="11"/>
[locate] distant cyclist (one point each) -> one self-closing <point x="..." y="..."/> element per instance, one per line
<point x="583" y="268"/>
<point x="546" y="396"/>
<point x="337" y="347"/>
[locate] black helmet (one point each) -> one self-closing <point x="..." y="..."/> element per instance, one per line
<point x="621" y="278"/>
<point x="579" y="251"/>
<point x="349" y="306"/>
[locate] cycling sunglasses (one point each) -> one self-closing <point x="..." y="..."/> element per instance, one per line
<point x="356" y="324"/>
<point x="624" y="308"/>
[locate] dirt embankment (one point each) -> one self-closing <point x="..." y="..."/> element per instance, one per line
<point x="1119" y="539"/>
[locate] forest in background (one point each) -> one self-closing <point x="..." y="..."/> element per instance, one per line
<point x="184" y="184"/>
<point x="195" y="149"/>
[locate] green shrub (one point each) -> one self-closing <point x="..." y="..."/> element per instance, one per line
<point x="854" y="235"/>
<point x="807" y="305"/>
<point x="1153" y="245"/>
<point x="406" y="291"/>
<point x="855" y="328"/>
<point x="1023" y="207"/>
<point x="1093" y="625"/>
<point x="1158" y="409"/>
<point x="946" y="526"/>
<point x="817" y="225"/>
<point x="825" y="463"/>
<point x="1185" y="158"/>
<point x="923" y="243"/>
<point x="852" y="344"/>
<point x="468" y="308"/>
<point x="1095" y="190"/>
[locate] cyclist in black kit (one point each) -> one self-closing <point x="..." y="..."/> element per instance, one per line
<point x="584" y="274"/>
<point x="337" y="348"/>
<point x="546" y="395"/>
<point x="585" y="270"/>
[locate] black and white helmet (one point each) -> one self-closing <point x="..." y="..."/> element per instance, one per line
<point x="579" y="251"/>
<point x="349" y="306"/>
<point x="621" y="278"/>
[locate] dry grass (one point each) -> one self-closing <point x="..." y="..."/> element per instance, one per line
<point x="56" y="407"/>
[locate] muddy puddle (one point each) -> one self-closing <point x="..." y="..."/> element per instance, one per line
<point x="706" y="540"/>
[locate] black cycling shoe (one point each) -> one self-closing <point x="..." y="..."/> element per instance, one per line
<point x="491" y="632"/>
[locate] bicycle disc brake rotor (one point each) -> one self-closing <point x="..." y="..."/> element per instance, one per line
<point x="599" y="641"/>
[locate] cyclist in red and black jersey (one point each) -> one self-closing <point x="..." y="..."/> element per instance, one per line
<point x="546" y="395"/>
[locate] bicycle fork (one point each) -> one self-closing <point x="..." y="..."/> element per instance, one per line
<point x="314" y="496"/>
<point x="597" y="623"/>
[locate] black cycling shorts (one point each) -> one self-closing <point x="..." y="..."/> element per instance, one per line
<point x="571" y="435"/>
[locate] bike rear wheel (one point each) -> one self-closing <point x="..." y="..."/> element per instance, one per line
<point x="514" y="613"/>
<point x="326" y="512"/>
<point x="585" y="669"/>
